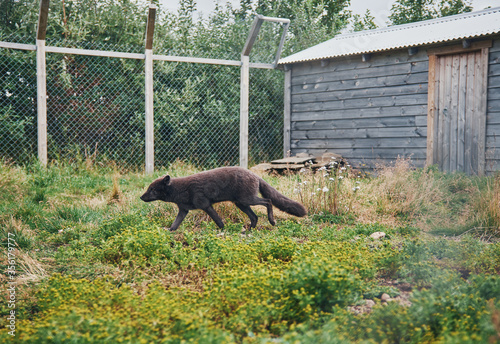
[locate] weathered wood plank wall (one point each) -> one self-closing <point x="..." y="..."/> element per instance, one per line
<point x="369" y="112"/>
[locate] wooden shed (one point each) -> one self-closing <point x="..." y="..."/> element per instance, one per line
<point x="428" y="90"/>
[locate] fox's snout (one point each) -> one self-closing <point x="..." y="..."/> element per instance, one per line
<point x="146" y="198"/>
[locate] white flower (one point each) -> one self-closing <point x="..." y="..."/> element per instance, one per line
<point x="332" y="179"/>
<point x="325" y="175"/>
<point x="355" y="188"/>
<point x="340" y="177"/>
<point x="61" y="230"/>
<point x="325" y="189"/>
<point x="302" y="170"/>
<point x="305" y="182"/>
<point x="322" y="168"/>
<point x="314" y="193"/>
<point x="318" y="189"/>
<point x="342" y="168"/>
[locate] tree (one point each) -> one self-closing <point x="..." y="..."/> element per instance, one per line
<point x="9" y="17"/>
<point x="313" y="21"/>
<point x="450" y="7"/>
<point x="333" y="15"/>
<point x="409" y="11"/>
<point x="367" y="22"/>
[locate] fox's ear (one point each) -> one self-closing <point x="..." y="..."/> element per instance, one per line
<point x="166" y="180"/>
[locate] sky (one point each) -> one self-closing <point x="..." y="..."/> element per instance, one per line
<point x="379" y="8"/>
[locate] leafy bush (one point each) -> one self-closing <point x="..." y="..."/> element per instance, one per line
<point x="312" y="286"/>
<point x="417" y="264"/>
<point x="13" y="133"/>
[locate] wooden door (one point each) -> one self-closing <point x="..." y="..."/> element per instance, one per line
<point x="456" y="122"/>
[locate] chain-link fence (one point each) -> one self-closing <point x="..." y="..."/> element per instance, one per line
<point x="18" y="131"/>
<point x="95" y="108"/>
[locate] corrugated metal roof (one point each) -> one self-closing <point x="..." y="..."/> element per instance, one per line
<point x="461" y="26"/>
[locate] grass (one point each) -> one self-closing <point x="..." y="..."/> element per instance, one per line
<point x="95" y="264"/>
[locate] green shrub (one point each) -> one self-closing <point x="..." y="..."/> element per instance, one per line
<point x="417" y="265"/>
<point x="115" y="225"/>
<point x="282" y="249"/>
<point x="312" y="286"/>
<point x="142" y="244"/>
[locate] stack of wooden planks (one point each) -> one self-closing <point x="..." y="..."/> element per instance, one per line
<point x="300" y="161"/>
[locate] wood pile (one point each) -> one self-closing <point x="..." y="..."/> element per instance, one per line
<point x="302" y="160"/>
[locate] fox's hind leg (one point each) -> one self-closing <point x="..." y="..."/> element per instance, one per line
<point x="247" y="210"/>
<point x="262" y="201"/>
<point x="213" y="214"/>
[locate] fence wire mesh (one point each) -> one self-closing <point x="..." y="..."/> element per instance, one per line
<point x="265" y="129"/>
<point x="196" y="113"/>
<point x="95" y="107"/>
<point x="18" y="113"/>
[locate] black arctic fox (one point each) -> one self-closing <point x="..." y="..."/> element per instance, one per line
<point x="235" y="184"/>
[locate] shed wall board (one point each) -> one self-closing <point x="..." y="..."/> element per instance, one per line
<point x="493" y="110"/>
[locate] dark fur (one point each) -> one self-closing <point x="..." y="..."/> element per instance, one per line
<point x="235" y="184"/>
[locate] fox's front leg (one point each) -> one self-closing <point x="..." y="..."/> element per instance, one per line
<point x="213" y="214"/>
<point x="178" y="220"/>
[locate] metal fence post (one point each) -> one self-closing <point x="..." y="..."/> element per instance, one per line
<point x="244" y="89"/>
<point x="245" y="78"/>
<point x="244" y="92"/>
<point x="41" y="79"/>
<point x="287" y="112"/>
<point x="149" y="117"/>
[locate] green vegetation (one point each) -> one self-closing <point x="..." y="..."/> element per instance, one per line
<point x="95" y="264"/>
<point x="409" y="11"/>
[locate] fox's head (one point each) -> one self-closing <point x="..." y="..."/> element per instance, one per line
<point x="158" y="190"/>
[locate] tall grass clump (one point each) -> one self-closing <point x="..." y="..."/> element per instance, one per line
<point x="487" y="205"/>
<point x="429" y="199"/>
<point x="329" y="190"/>
<point x="401" y="190"/>
<point x="116" y="195"/>
<point x="12" y="180"/>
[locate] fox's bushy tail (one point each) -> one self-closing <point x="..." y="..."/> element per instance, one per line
<point x="281" y="202"/>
